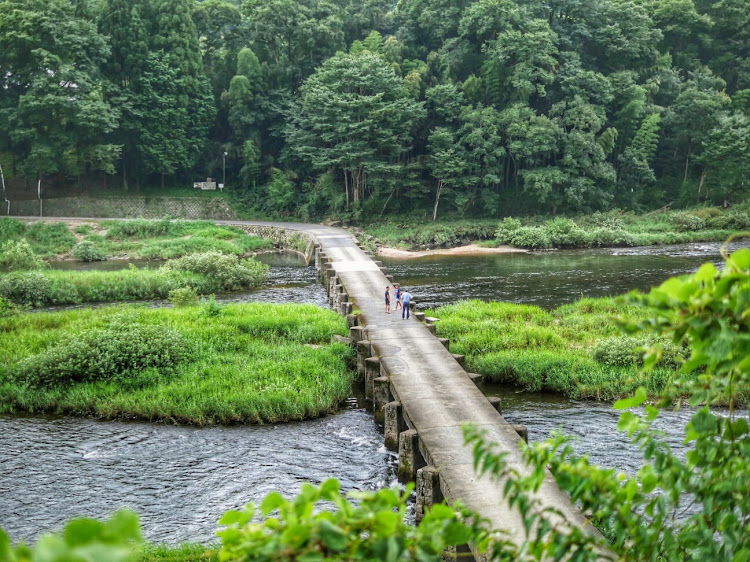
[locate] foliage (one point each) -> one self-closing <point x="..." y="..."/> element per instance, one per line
<point x="116" y="540"/>
<point x="253" y="363"/>
<point x="18" y="256"/>
<point x="686" y="507"/>
<point x="87" y="251"/>
<point x="11" y="229"/>
<point x="231" y="272"/>
<point x="575" y="350"/>
<point x="371" y="528"/>
<point x="132" y="354"/>
<point x="49" y="238"/>
<point x="27" y="288"/>
<point x="183" y="296"/>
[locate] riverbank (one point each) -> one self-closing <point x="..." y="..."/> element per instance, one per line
<point x="467" y="250"/>
<point x="575" y="350"/>
<point x="30" y="283"/>
<point x="613" y="228"/>
<point x="208" y="364"/>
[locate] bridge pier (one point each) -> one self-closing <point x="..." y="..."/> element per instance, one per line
<point x="394" y="424"/>
<point x="372" y="371"/>
<point x="380" y="397"/>
<point x="410" y="458"/>
<point x="428" y="491"/>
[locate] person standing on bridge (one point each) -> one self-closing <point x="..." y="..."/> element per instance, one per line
<point x="406" y="300"/>
<point x="387" y="300"/>
<point x="398" y="295"/>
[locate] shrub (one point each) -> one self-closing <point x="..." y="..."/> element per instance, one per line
<point x="530" y="237"/>
<point x="28" y="288"/>
<point x="229" y="270"/>
<point x="211" y="308"/>
<point x="7" y="308"/>
<point x="565" y="233"/>
<point x="687" y="222"/>
<point x="87" y="251"/>
<point x="505" y="230"/>
<point x="19" y="256"/>
<point x="130" y="353"/>
<point x="619" y="351"/>
<point x="604" y="236"/>
<point x="183" y="296"/>
<point x="11" y="229"/>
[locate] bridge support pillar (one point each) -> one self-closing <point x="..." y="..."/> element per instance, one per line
<point x="428" y="490"/>
<point x="352" y="320"/>
<point x="363" y="352"/>
<point x="372" y="371"/>
<point x="356" y="334"/>
<point x="497" y="403"/>
<point x="409" y="456"/>
<point x="380" y="397"/>
<point x="476" y="378"/>
<point x="461" y="359"/>
<point x="522" y="430"/>
<point x="432" y="328"/>
<point x="394" y="424"/>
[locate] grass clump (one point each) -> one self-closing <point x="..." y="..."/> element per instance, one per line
<point x="19" y="256"/>
<point x="233" y="274"/>
<point x="184" y="296"/>
<point x="576" y="350"/>
<point x="619" y="228"/>
<point x="49" y="239"/>
<point x="204" y="273"/>
<point x="252" y="363"/>
<point x="187" y="552"/>
<point x="413" y="233"/>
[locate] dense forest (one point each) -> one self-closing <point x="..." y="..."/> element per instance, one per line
<point x="359" y="107"/>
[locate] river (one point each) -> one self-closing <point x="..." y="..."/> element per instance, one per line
<point x="181" y="479"/>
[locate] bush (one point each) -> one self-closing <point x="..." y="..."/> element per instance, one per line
<point x="128" y="352"/>
<point x="233" y="274"/>
<point x="183" y="296"/>
<point x="27" y="288"/>
<point x="687" y="222"/>
<point x="11" y="229"/>
<point x="619" y="351"/>
<point x="18" y="256"/>
<point x="565" y="233"/>
<point x="506" y="229"/>
<point x="604" y="236"/>
<point x="87" y="251"/>
<point x="530" y="237"/>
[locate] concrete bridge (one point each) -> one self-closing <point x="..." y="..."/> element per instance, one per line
<point x="420" y="390"/>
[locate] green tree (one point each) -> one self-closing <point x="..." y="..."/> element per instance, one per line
<point x="354" y="115"/>
<point x="726" y="157"/>
<point x="52" y="108"/>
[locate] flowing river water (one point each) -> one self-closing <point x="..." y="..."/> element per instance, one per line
<point x="182" y="479"/>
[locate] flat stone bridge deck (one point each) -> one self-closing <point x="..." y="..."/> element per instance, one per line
<point x="427" y="395"/>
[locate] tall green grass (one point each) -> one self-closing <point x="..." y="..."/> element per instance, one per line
<point x="209" y="272"/>
<point x="249" y="363"/>
<point x="576" y="350"/>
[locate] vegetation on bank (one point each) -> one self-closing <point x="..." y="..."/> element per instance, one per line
<point x="135" y="239"/>
<point x="576" y="350"/>
<point x="200" y="364"/>
<point x="208" y="272"/>
<point x="607" y="229"/>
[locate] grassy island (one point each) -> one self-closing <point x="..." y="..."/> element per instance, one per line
<point x="576" y="349"/>
<point x="200" y="365"/>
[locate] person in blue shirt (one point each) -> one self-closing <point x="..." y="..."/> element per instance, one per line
<point x="398" y="295"/>
<point x="406" y="300"/>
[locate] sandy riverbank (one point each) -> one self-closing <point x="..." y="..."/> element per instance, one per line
<point x="468" y="250"/>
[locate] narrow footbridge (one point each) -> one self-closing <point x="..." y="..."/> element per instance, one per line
<point x="420" y="390"/>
